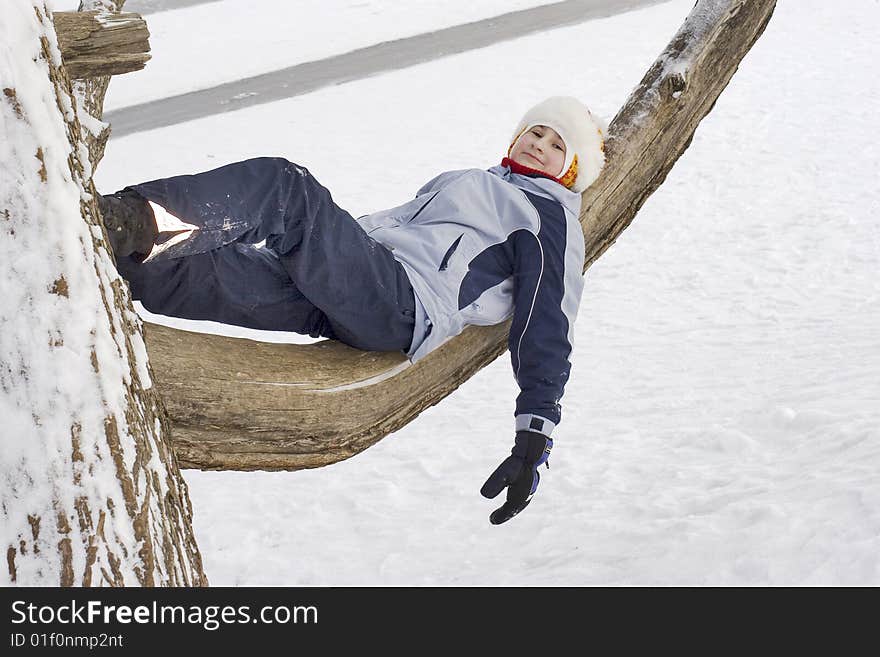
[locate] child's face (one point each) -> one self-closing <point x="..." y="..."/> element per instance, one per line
<point x="540" y="148"/>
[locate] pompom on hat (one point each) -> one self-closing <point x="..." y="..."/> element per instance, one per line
<point x="581" y="130"/>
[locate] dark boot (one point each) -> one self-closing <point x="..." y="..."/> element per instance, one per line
<point x="130" y="223"/>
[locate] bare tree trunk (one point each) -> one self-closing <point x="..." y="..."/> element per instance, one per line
<point x="90" y="490"/>
<point x="238" y="404"/>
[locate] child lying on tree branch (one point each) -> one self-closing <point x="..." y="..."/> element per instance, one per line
<point x="261" y="244"/>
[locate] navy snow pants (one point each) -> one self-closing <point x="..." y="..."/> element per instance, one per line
<point x="318" y="273"/>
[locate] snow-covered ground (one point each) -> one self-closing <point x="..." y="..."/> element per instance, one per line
<point x="722" y="422"/>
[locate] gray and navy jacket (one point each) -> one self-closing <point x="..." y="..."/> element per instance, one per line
<point x="482" y="245"/>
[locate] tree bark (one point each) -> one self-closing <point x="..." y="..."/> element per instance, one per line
<point x="95" y="44"/>
<point x="242" y="405"/>
<point x="91" y="490"/>
<point x="91" y="93"/>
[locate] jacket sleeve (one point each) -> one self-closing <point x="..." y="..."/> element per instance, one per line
<point x="547" y="286"/>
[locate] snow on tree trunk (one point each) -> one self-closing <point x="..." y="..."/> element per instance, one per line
<point x="90" y="491"/>
<point x="91" y="93"/>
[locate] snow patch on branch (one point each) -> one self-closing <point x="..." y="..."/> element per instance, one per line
<point x="705" y="17"/>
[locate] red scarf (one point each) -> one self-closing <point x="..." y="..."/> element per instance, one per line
<point x="516" y="167"/>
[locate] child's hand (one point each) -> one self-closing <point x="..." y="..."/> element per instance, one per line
<point x="519" y="474"/>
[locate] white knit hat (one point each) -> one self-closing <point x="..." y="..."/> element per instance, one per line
<point x="581" y="130"/>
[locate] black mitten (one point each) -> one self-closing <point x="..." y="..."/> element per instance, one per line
<point x="519" y="474"/>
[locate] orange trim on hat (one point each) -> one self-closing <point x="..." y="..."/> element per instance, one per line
<point x="570" y="176"/>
